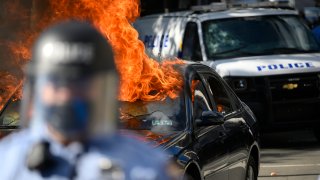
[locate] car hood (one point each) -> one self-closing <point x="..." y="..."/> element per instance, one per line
<point x="153" y="138"/>
<point x="267" y="65"/>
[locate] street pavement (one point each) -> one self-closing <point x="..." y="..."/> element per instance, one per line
<point x="290" y="156"/>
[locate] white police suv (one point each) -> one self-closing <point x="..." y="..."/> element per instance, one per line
<point x="267" y="55"/>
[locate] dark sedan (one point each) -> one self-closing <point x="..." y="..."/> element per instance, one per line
<point x="207" y="129"/>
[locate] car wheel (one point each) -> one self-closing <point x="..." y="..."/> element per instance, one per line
<point x="316" y="133"/>
<point x="251" y="173"/>
<point x="188" y="177"/>
<point x="192" y="174"/>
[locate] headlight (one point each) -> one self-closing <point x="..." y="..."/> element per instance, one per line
<point x="239" y="84"/>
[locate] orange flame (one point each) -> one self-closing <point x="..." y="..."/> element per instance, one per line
<point x="140" y="76"/>
<point x="8" y="85"/>
<point x="194" y="84"/>
<point x="13" y="21"/>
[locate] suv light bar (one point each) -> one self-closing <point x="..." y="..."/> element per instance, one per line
<point x="224" y="6"/>
<point x="211" y="7"/>
<point x="262" y="4"/>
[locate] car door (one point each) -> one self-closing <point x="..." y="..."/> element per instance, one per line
<point x="236" y="129"/>
<point x="208" y="139"/>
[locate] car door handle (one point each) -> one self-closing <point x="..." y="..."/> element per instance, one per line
<point x="222" y="137"/>
<point x="222" y="134"/>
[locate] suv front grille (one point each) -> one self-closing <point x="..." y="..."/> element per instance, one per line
<point x="294" y="87"/>
<point x="287" y="98"/>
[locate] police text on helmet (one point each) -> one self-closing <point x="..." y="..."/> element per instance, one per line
<point x="64" y="52"/>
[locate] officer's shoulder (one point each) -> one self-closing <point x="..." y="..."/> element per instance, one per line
<point x="14" y="140"/>
<point x="15" y="137"/>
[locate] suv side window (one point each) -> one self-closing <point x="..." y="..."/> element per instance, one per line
<point x="191" y="49"/>
<point x="220" y="95"/>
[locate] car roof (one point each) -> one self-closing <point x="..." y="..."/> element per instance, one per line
<point x="190" y="66"/>
<point x="191" y="63"/>
<point x="229" y="13"/>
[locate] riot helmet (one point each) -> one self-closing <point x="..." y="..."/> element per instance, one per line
<point x="71" y="82"/>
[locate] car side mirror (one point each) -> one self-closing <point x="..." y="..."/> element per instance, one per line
<point x="209" y="118"/>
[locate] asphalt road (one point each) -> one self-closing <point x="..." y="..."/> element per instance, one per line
<point x="290" y="155"/>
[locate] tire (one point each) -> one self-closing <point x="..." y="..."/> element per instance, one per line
<point x="316" y="133"/>
<point x="192" y="174"/>
<point x="188" y="177"/>
<point x="252" y="169"/>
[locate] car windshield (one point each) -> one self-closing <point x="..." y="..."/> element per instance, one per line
<point x="258" y="35"/>
<point x="10" y="117"/>
<point x="164" y="116"/>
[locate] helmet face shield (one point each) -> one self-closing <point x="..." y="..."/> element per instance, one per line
<point x="71" y="82"/>
<point x="106" y="107"/>
<point x="75" y="107"/>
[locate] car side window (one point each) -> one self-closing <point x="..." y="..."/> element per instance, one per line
<point x="234" y="98"/>
<point x="10" y="117"/>
<point x="200" y="99"/>
<point x="191" y="49"/>
<point x="220" y="95"/>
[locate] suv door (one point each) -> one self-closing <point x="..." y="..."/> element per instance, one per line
<point x="209" y="139"/>
<point x="235" y="125"/>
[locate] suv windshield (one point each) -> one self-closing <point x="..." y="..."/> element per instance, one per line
<point x="163" y="116"/>
<point x="258" y="35"/>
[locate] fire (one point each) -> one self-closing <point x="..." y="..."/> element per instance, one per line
<point x="194" y="84"/>
<point x="11" y="63"/>
<point x="8" y="85"/>
<point x="141" y="78"/>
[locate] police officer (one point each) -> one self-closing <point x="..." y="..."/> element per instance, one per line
<point x="69" y="112"/>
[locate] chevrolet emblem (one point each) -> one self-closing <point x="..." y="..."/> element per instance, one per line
<point x="290" y="86"/>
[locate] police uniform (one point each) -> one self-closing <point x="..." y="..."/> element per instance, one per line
<point x="112" y="157"/>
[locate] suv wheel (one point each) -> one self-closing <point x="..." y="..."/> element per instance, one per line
<point x="251" y="173"/>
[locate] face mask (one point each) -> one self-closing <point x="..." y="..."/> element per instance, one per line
<point x="70" y="119"/>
